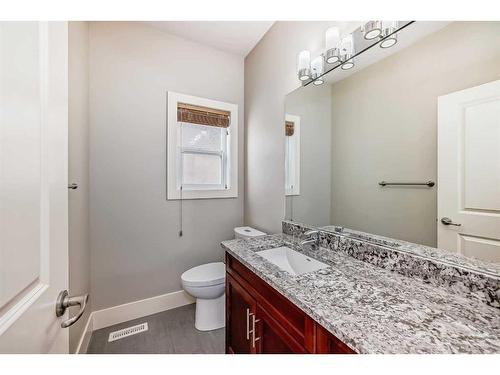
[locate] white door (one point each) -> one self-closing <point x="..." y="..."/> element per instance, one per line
<point x="33" y="185"/>
<point x="469" y="172"/>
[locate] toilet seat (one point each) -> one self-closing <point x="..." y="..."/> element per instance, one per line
<point x="205" y="275"/>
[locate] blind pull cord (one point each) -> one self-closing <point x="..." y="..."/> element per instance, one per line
<point x="180" y="215"/>
<point x="180" y="202"/>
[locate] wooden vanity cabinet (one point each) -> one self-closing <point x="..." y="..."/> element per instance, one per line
<point x="261" y="320"/>
<point x="240" y="311"/>
<point x="326" y="343"/>
<point x="272" y="338"/>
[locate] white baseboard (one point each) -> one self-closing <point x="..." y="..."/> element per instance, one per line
<point x="84" y="341"/>
<point x="137" y="309"/>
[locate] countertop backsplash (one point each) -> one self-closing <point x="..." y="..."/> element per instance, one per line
<point x="466" y="276"/>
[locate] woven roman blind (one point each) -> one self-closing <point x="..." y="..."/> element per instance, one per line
<point x="203" y="115"/>
<point x="289" y="128"/>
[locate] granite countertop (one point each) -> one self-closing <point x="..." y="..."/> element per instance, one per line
<point x="374" y="310"/>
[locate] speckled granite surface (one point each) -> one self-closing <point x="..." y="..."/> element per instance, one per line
<point x="422" y="250"/>
<point x="375" y="310"/>
<point x="465" y="276"/>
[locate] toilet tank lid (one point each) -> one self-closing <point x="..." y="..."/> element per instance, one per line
<point x="249" y="232"/>
<point x="205" y="275"/>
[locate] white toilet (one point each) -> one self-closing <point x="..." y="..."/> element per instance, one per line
<point x="206" y="283"/>
<point x="247" y="232"/>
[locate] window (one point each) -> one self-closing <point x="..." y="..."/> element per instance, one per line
<point x="292" y="155"/>
<point x="202" y="157"/>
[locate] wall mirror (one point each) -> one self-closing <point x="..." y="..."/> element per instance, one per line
<point x="405" y="146"/>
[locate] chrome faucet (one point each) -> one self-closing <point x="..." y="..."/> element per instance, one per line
<point x="311" y="238"/>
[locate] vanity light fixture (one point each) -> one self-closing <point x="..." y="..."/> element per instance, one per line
<point x="317" y="67"/>
<point x="388" y="28"/>
<point x="348" y="65"/>
<point x="372" y="29"/>
<point x="347" y="51"/>
<point x="340" y="50"/>
<point x="332" y="39"/>
<point x="304" y="65"/>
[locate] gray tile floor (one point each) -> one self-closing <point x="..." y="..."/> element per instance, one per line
<point x="170" y="332"/>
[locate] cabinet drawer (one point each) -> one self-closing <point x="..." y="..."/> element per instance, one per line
<point x="285" y="313"/>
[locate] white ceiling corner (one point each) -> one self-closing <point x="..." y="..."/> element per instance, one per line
<point x="237" y="37"/>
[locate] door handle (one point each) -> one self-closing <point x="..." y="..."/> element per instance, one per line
<point x="448" y="221"/>
<point x="64" y="301"/>
<point x="73" y="186"/>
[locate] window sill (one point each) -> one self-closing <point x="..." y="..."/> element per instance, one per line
<point x="203" y="194"/>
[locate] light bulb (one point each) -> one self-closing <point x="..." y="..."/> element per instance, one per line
<point x="389" y="42"/>
<point x="347" y="45"/>
<point x="317" y="67"/>
<point x="389" y="35"/>
<point x="332" y="39"/>
<point x="304" y="65"/>
<point x="347" y="52"/>
<point x="348" y="65"/>
<point x="372" y="30"/>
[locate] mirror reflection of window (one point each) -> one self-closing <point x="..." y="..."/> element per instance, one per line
<point x="292" y="155"/>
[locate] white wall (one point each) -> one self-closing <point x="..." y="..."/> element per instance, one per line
<point x="79" y="239"/>
<point x="385" y="128"/>
<point x="270" y="74"/>
<point x="136" y="251"/>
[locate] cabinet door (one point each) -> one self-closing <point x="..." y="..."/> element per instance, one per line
<point x="240" y="310"/>
<point x="271" y="337"/>
<point x="326" y="343"/>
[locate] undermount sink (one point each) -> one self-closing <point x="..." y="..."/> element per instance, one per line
<point x="291" y="261"/>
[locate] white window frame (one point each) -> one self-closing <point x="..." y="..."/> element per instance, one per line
<point x="229" y="186"/>
<point x="294" y="189"/>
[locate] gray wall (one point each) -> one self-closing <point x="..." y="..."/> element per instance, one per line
<point x="313" y="105"/>
<point x="136" y="251"/>
<point x="384" y="128"/>
<point x="79" y="244"/>
<point x="270" y="74"/>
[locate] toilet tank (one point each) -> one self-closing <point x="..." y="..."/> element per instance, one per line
<point x="247" y="232"/>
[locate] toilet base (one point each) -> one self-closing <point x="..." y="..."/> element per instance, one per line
<point x="210" y="313"/>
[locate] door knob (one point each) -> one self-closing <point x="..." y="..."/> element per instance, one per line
<point x="73" y="186"/>
<point x="64" y="301"/>
<point x="448" y="221"/>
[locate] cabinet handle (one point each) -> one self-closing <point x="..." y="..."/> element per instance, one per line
<point x="248" y="323"/>
<point x="254" y="339"/>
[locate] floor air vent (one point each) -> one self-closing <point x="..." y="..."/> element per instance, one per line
<point x="117" y="335"/>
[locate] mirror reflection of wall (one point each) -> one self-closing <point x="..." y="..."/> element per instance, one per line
<point x="312" y="106"/>
<point x="381" y="123"/>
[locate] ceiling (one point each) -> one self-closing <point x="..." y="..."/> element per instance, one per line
<point x="238" y="37"/>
